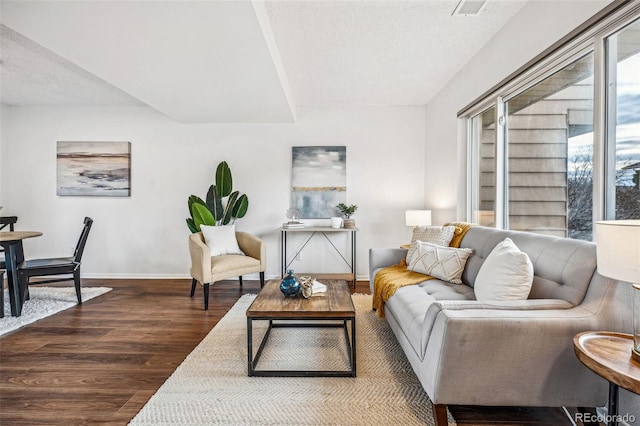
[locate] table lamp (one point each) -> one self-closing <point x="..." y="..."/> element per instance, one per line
<point x="418" y="217"/>
<point x="618" y="254"/>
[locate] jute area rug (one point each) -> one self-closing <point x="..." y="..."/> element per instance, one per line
<point x="212" y="387"/>
<point x="44" y="301"/>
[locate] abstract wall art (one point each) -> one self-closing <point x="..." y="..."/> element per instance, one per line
<point x="94" y="168"/>
<point x="319" y="180"/>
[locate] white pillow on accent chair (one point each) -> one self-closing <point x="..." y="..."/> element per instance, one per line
<point x="445" y="263"/>
<point x="221" y="239"/>
<point x="506" y="274"/>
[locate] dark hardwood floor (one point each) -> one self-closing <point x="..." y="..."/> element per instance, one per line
<point x="99" y="363"/>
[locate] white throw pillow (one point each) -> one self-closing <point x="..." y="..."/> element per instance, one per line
<point x="445" y="263"/>
<point x="221" y="239"/>
<point x="506" y="274"/>
<point x="440" y="235"/>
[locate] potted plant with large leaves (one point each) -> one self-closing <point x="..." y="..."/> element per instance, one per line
<point x="222" y="206"/>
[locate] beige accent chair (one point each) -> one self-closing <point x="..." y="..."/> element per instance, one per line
<point x="207" y="270"/>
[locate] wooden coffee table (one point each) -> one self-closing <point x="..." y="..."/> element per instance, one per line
<point x="271" y="305"/>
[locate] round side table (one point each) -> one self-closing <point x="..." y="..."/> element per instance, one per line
<point x="608" y="354"/>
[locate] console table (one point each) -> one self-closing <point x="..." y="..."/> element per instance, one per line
<point x="608" y="355"/>
<point x="323" y="231"/>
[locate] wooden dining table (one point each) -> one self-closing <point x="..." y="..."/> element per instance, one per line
<point x="13" y="255"/>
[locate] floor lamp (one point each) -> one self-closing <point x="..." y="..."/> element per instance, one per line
<point x="618" y="254"/>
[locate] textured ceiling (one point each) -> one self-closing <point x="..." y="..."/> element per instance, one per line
<point x="195" y="61"/>
<point x="378" y="53"/>
<point x="237" y="61"/>
<point x="33" y="75"/>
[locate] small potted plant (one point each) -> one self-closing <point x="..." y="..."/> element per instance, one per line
<point x="347" y="212"/>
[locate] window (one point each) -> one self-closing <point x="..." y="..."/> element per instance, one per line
<point x="484" y="168"/>
<point x="558" y="146"/>
<point x="550" y="154"/>
<point x="623" y="167"/>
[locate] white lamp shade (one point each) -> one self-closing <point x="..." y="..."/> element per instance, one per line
<point x="618" y="249"/>
<point x="418" y="217"/>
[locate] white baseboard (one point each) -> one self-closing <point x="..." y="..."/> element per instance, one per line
<point x="179" y="277"/>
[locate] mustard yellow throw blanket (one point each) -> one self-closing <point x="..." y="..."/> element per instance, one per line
<point x="388" y="280"/>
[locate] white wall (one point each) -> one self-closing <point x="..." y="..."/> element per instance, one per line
<point x="3" y="111"/>
<point x="145" y="235"/>
<point x="537" y="26"/>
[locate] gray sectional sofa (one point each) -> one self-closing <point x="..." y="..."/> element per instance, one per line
<point x="516" y="353"/>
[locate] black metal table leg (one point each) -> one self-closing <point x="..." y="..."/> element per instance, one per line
<point x="612" y="405"/>
<point x="13" y="281"/>
<point x="250" y="346"/>
<point x="352" y="265"/>
<point x="253" y="369"/>
<point x="353" y="346"/>
<point x="353" y="258"/>
<point x="283" y="252"/>
<point x="1" y="294"/>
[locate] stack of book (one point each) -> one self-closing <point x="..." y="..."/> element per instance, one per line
<point x="293" y="225"/>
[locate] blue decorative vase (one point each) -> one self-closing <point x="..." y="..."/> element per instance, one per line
<point x="290" y="285"/>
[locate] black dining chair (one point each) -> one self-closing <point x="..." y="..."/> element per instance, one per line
<point x="5" y="221"/>
<point x="56" y="266"/>
<point x="8" y="221"/>
<point x="2" y="294"/>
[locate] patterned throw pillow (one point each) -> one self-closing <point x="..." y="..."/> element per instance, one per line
<point x="445" y="263"/>
<point x="440" y="235"/>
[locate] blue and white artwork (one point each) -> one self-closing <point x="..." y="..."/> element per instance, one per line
<point x="94" y="168"/>
<point x="319" y="180"/>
